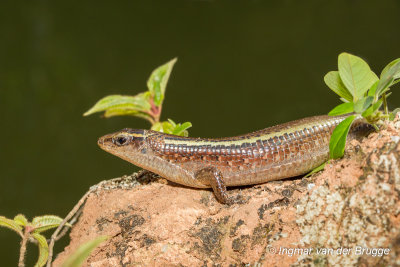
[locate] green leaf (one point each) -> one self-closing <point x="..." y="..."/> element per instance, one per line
<point x="181" y="129"/>
<point x="43" y="249"/>
<point x="21" y="220"/>
<point x="339" y="136"/>
<point x="158" y="80"/>
<point x="392" y="115"/>
<point x="112" y="112"/>
<point x="333" y="81"/>
<point x="389" y="66"/>
<point x="394" y="82"/>
<point x="385" y="91"/>
<point x="388" y="76"/>
<point x="128" y="104"/>
<point x="46" y="222"/>
<point x="362" y="104"/>
<point x="316" y="169"/>
<point x="355" y="74"/>
<point x="172" y="123"/>
<point x="383" y="86"/>
<point x="341" y="109"/>
<point x="83" y="252"/>
<point x="164" y="127"/>
<point x="369" y="111"/>
<point x="372" y="90"/>
<point x="170" y="127"/>
<point x="157" y="127"/>
<point x="10" y="224"/>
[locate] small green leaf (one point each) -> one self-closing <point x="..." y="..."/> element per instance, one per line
<point x="316" y="169"/>
<point x="46" y="222"/>
<point x="83" y="252"/>
<point x="158" y="80"/>
<point x="157" y="127"/>
<point x="172" y="123"/>
<point x="389" y="66"/>
<point x="170" y="127"/>
<point x="167" y="127"/>
<point x="362" y="104"/>
<point x="21" y="220"/>
<point x="369" y="111"/>
<point x="164" y="127"/>
<point x="392" y="115"/>
<point x="338" y="139"/>
<point x="385" y="91"/>
<point x="394" y="82"/>
<point x="342" y="109"/>
<point x="333" y="81"/>
<point x="383" y="87"/>
<point x="129" y="104"/>
<point x="124" y="112"/>
<point x="372" y="90"/>
<point x="43" y="249"/>
<point x="10" y="224"/>
<point x="388" y="76"/>
<point x="181" y="129"/>
<point x="355" y="74"/>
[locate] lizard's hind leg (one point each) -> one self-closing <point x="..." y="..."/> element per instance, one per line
<point x="213" y="177"/>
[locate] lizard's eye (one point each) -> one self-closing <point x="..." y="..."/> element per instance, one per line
<point x="121" y="140"/>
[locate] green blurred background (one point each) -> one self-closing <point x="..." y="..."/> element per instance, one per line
<point x="242" y="66"/>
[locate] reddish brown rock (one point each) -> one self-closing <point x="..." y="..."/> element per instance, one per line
<point x="354" y="202"/>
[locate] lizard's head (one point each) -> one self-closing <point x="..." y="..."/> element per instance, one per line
<point x="126" y="144"/>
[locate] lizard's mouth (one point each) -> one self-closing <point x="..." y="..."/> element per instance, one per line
<point x="100" y="142"/>
<point x="105" y="142"/>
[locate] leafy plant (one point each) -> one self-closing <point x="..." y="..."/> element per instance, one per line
<point x="146" y="105"/>
<point x="363" y="94"/>
<point x="32" y="231"/>
<point x="83" y="252"/>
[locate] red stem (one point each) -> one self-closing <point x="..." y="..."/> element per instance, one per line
<point x="155" y="111"/>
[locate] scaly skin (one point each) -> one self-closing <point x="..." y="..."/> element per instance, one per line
<point x="277" y="152"/>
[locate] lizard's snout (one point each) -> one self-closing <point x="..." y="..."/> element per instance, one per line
<point x="100" y="141"/>
<point x="106" y="142"/>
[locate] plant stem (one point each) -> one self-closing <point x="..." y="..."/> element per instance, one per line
<point x="66" y="219"/>
<point x="154" y="112"/>
<point x="151" y="120"/>
<point x="22" y="250"/>
<point x="385" y="104"/>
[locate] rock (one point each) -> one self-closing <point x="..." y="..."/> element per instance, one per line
<point x="346" y="215"/>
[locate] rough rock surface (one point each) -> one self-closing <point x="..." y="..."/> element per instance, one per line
<point x="353" y="204"/>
